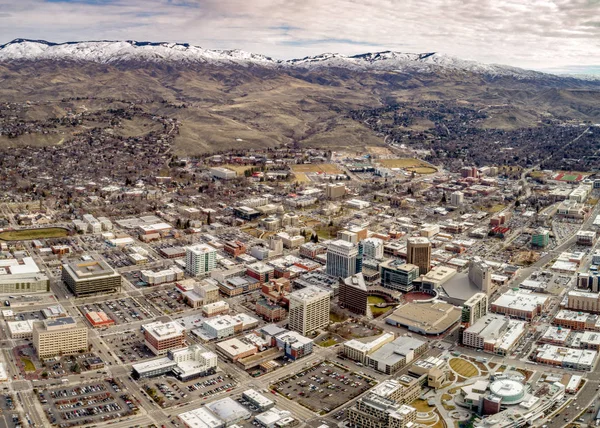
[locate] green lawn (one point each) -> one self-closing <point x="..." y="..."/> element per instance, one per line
<point x="327" y="343"/>
<point x="29" y="367"/>
<point x="29" y="234"/>
<point x="376" y="299"/>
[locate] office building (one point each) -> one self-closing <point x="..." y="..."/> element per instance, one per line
<point x="474" y="308"/>
<point x="418" y="252"/>
<point x="397" y="275"/>
<point x="480" y="274"/>
<point x="260" y="271"/>
<point x="22" y="277"/>
<point x="161" y="337"/>
<point x="520" y="304"/>
<point x="59" y="336"/>
<point x="309" y="310"/>
<point x="342" y="259"/>
<point x="385" y="353"/>
<point x="373" y="248"/>
<point x="586" y="237"/>
<point x="495" y="334"/>
<point x="200" y="259"/>
<point x="185" y="363"/>
<point x="335" y="190"/>
<point x="354" y="294"/>
<point x="540" y="238"/>
<point x="90" y="276"/>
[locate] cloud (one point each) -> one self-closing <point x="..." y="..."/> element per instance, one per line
<point x="539" y="34"/>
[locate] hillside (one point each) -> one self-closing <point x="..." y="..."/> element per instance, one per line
<point x="228" y="99"/>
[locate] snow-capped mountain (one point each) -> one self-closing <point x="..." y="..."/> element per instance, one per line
<point x="124" y="51"/>
<point x="113" y="52"/>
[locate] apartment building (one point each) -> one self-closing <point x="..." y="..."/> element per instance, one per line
<point x="200" y="259"/>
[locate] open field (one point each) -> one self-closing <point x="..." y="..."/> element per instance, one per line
<point x="29" y="234"/>
<point x="410" y="164"/>
<point x="463" y="367"/>
<point x="27" y="364"/>
<point x="301" y="170"/>
<point x="239" y="169"/>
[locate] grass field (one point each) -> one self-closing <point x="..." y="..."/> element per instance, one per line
<point x="463" y="367"/>
<point x="29" y="367"/>
<point x="410" y="164"/>
<point x="301" y="170"/>
<point x="29" y="234"/>
<point x="239" y="169"/>
<point x="376" y="299"/>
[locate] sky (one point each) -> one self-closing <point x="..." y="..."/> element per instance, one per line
<point x="552" y="35"/>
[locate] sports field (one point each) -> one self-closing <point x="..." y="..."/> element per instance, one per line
<point x="29" y="234"/>
<point x="410" y="164"/>
<point x="569" y="176"/>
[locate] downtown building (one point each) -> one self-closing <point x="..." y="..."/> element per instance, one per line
<point x="200" y="259"/>
<point x="59" y="336"/>
<point x="90" y="276"/>
<point x="309" y="310"/>
<point x="343" y="259"/>
<point x="418" y="252"/>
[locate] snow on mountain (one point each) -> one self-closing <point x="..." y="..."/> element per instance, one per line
<point x="122" y="51"/>
<point x="112" y="52"/>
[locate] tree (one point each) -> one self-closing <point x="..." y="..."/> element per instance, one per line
<point x="208" y="219"/>
<point x="444" y="200"/>
<point x="517" y="203"/>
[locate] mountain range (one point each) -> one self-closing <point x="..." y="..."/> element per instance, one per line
<point x="225" y="99"/>
<point x="111" y="52"/>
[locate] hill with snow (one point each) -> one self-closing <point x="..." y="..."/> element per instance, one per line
<point x="113" y="52"/>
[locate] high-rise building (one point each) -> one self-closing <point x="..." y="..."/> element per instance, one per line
<point x="397" y="275"/>
<point x="480" y="274"/>
<point x="309" y="310"/>
<point x="90" y="276"/>
<point x="373" y="248"/>
<point x="474" y="308"/>
<point x="354" y="294"/>
<point x="200" y="259"/>
<point x="418" y="252"/>
<point x="457" y="198"/>
<point x="59" y="336"/>
<point x="342" y="259"/>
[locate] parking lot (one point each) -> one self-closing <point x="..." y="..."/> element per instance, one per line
<point x="121" y="311"/>
<point x="323" y="387"/>
<point x="128" y="346"/>
<point x="86" y="404"/>
<point x="167" y="300"/>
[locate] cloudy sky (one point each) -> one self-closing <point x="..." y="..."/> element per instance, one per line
<point x="554" y="35"/>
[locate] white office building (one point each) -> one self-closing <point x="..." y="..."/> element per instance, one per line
<point x="341" y="259"/>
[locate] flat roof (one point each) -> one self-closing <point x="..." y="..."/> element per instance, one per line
<point x="520" y="300"/>
<point x="200" y="418"/>
<point x="162" y="331"/>
<point x="431" y="318"/>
